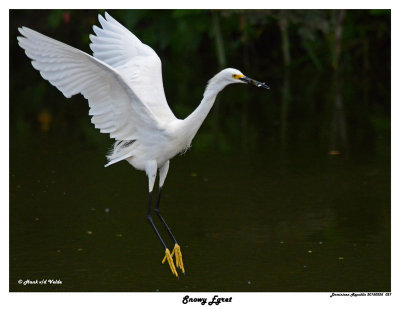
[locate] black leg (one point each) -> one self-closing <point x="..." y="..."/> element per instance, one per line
<point x="177" y="248"/>
<point x="157" y="211"/>
<point x="152" y="223"/>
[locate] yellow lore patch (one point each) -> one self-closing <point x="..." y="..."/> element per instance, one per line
<point x="236" y="76"/>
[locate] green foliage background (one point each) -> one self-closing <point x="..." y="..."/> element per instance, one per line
<point x="298" y="53"/>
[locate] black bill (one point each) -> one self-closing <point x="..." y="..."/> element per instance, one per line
<point x="253" y="82"/>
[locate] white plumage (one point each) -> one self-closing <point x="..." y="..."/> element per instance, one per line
<point x="140" y="65"/>
<point x="123" y="84"/>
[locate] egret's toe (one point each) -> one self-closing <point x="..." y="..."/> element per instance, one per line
<point x="178" y="257"/>
<point x="168" y="257"/>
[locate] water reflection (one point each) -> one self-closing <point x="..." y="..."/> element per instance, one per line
<point x="338" y="137"/>
<point x="282" y="227"/>
<point x="284" y="110"/>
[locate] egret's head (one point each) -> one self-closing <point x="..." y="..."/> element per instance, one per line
<point x="231" y="76"/>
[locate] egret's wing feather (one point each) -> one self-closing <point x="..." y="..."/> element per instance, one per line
<point x="137" y="62"/>
<point x="114" y="107"/>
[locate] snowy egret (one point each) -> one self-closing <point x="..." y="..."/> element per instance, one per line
<point x="122" y="82"/>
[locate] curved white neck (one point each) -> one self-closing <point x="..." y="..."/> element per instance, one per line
<point x="193" y="122"/>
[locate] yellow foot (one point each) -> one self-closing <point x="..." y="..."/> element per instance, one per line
<point x="178" y="257"/>
<point x="168" y="257"/>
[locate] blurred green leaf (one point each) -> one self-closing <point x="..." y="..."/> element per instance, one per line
<point x="55" y="18"/>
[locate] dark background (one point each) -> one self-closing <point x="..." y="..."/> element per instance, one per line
<point x="283" y="190"/>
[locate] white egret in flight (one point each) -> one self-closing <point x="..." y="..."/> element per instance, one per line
<point x="122" y="82"/>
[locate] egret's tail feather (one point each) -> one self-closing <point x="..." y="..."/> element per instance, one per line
<point x="121" y="150"/>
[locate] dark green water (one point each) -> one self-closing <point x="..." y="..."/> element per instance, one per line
<point x="245" y="222"/>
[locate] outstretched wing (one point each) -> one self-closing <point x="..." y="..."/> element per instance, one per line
<point x="114" y="107"/>
<point x="137" y="62"/>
